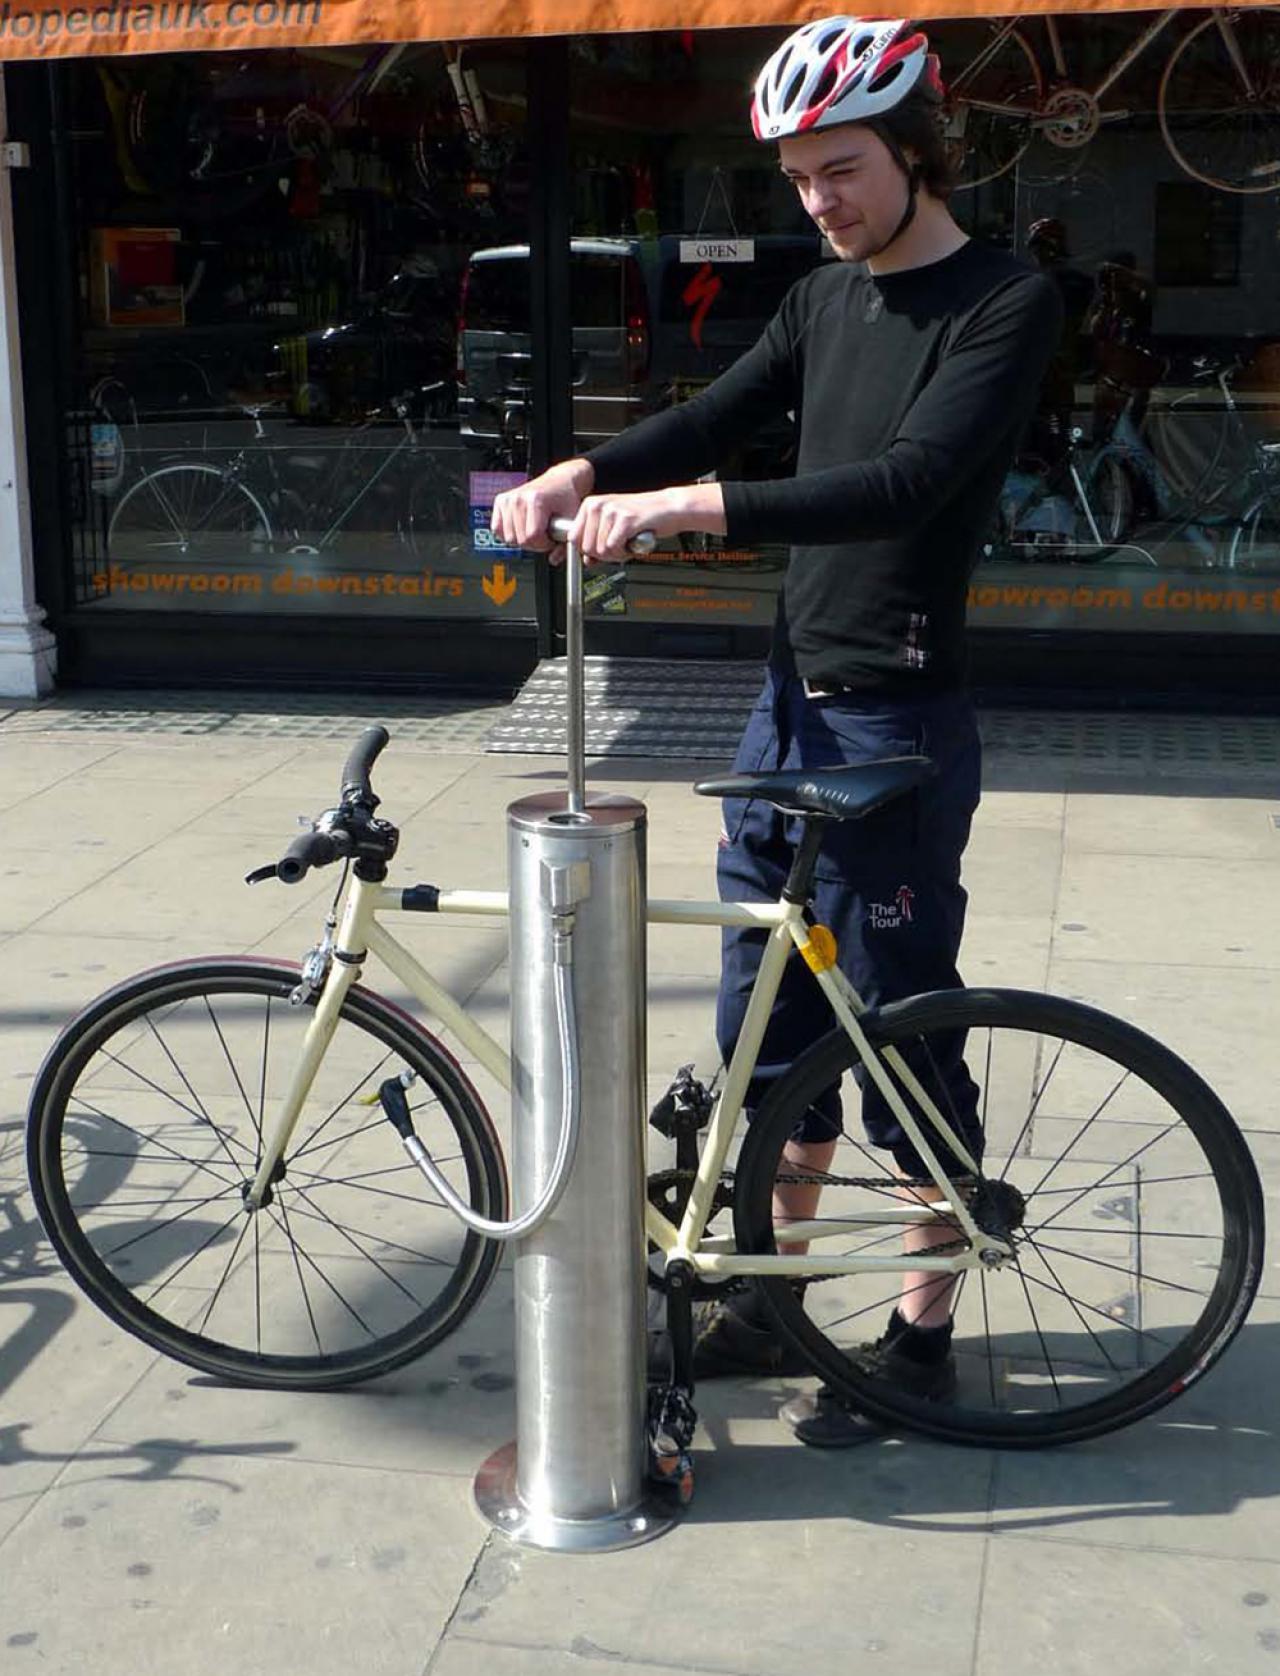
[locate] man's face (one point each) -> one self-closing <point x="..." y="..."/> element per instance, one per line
<point x="849" y="184"/>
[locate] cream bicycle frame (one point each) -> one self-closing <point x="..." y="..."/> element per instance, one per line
<point x="359" y="935"/>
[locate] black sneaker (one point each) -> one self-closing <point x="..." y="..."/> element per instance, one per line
<point x="727" y="1344"/>
<point x="825" y="1420"/>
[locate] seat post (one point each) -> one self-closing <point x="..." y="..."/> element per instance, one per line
<point x="799" y="885"/>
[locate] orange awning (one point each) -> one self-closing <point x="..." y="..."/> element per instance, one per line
<point x="53" y="29"/>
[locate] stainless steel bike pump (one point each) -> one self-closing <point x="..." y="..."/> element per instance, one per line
<point x="575" y="1478"/>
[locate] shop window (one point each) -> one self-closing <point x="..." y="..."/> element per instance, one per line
<point x="273" y="249"/>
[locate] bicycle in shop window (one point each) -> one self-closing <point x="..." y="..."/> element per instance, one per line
<point x="1217" y="103"/>
<point x="268" y="498"/>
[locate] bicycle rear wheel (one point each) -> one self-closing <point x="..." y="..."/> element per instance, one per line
<point x="188" y="511"/>
<point x="1130" y="1199"/>
<point x="146" y="1123"/>
<point x="1219" y="102"/>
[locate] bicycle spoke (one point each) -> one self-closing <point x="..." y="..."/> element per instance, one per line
<point x="1037" y="1096"/>
<point x="344" y="1102"/>
<point x="319" y="1215"/>
<point x="1080" y="1133"/>
<point x="231" y="1065"/>
<point x="1044" y="1348"/>
<point x="1102" y="1180"/>
<point x="1133" y="1274"/>
<point x="368" y="1256"/>
<point x="217" y="1291"/>
<point x="350" y="1308"/>
<point x="1106" y="1355"/>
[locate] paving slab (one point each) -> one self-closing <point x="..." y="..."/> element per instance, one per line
<point x="1078" y="1610"/>
<point x="1178" y="910"/>
<point x="210" y="1556"/>
<point x="1165" y="822"/>
<point x="1222" y="1022"/>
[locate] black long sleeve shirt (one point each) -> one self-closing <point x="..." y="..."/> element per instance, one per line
<point x="911" y="390"/>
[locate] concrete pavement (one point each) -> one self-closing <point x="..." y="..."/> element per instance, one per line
<point x="151" y="1521"/>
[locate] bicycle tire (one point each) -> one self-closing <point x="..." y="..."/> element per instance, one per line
<point x="312" y="1300"/>
<point x="1157" y="1092"/>
<point x="241" y="515"/>
<point x="1201" y="64"/>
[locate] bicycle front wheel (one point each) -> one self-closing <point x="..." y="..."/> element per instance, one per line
<point x="147" y="1123"/>
<point x="1219" y="102"/>
<point x="188" y="511"/>
<point x="1124" y="1187"/>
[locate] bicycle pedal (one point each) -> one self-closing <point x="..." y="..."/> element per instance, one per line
<point x="671" y="1470"/>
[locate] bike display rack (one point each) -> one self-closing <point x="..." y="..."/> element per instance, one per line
<point x="575" y="1479"/>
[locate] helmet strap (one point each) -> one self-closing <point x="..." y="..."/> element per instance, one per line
<point x="912" y="173"/>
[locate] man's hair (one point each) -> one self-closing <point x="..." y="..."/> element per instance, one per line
<point x="917" y="123"/>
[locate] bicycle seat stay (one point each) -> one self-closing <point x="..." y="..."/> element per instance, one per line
<point x="844" y="793"/>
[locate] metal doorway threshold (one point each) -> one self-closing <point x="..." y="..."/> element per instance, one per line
<point x="637" y="707"/>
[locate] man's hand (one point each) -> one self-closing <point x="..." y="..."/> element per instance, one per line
<point x="606" y="523"/>
<point x="521" y="516"/>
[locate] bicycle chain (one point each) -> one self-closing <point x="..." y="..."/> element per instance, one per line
<point x="724" y="1198"/>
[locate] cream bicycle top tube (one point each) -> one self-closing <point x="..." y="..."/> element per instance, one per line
<point x="575" y="717"/>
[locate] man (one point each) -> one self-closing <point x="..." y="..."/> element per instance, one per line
<point x="913" y="364"/>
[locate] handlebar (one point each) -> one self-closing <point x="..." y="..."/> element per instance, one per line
<point x="359" y="765"/>
<point x="639" y="546"/>
<point x="346" y="832"/>
<point x="311" y="849"/>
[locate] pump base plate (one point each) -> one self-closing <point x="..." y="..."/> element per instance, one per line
<point x="496" y="1497"/>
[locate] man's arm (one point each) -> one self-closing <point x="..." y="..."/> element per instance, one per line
<point x="985" y="385"/>
<point x="685" y="442"/>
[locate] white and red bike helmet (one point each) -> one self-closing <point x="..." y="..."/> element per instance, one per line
<point x="841" y="69"/>
<point x="848" y="69"/>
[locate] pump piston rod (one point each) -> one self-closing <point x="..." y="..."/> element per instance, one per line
<point x="575" y="705"/>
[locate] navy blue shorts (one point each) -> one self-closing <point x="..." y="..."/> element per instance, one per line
<point x="887" y="885"/>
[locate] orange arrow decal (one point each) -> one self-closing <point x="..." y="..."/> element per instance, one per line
<point x="499" y="586"/>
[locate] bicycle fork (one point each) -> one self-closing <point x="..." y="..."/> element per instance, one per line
<point x="345" y="965"/>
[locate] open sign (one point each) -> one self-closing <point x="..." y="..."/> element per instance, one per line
<point x="717" y="250"/>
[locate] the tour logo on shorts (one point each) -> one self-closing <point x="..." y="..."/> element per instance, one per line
<point x="888" y="916"/>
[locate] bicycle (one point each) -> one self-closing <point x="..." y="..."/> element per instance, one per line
<point x="1218" y="101"/>
<point x="210" y="1149"/>
<point x="246" y="507"/>
<point x="1080" y="506"/>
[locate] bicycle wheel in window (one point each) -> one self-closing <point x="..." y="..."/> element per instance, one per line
<point x="189" y="511"/>
<point x="436" y="516"/>
<point x="1130" y="1199"/>
<point x="1219" y="101"/>
<point x="146" y="1123"/>
<point x="1104" y="507"/>
<point x="991" y="103"/>
<point x="1255" y="540"/>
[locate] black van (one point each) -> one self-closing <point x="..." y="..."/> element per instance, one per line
<point x="653" y="320"/>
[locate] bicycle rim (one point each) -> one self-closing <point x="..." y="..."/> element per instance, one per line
<point x="188" y="512"/>
<point x="147" y="1122"/>
<point x="1218" y="127"/>
<point x="1129" y="1197"/>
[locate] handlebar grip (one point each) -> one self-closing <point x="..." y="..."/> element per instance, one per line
<point x="359" y="765"/>
<point x="640" y="545"/>
<point x="310" y="849"/>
